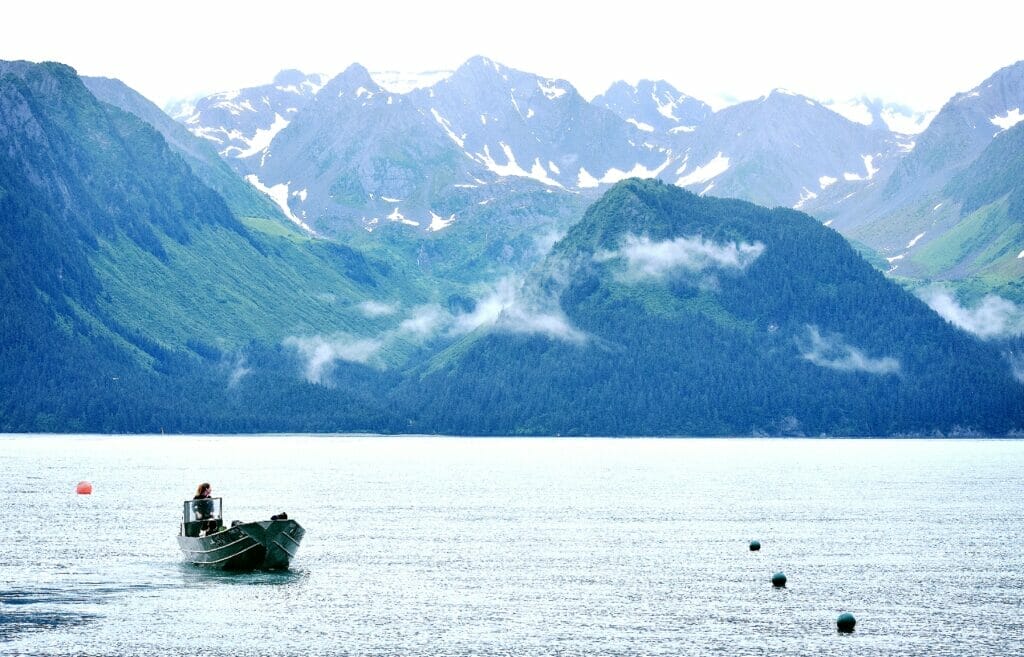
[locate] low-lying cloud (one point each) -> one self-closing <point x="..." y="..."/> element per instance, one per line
<point x="993" y="317"/>
<point x="833" y="352"/>
<point x="377" y="308"/>
<point x="544" y="242"/>
<point x="648" y="259"/>
<point x="509" y="307"/>
<point x="239" y="370"/>
<point x="425" y="321"/>
<point x="320" y="353"/>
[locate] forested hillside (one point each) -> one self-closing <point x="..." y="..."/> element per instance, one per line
<point x="690" y="315"/>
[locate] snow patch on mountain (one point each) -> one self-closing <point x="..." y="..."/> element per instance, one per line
<point x="585" y="180"/>
<point x="805" y="195"/>
<point x="551" y="90"/>
<point x="315" y="82"/>
<point x="646" y="127"/>
<point x="208" y="133"/>
<point x="235" y="109"/>
<point x="869" y="168"/>
<point x="869" y="165"/>
<point x="279" y="194"/>
<point x="825" y="181"/>
<point x="438" y="222"/>
<point x="537" y="172"/>
<point x="716" y="167"/>
<point x="398" y="217"/>
<point x="1012" y="118"/>
<point x="682" y="128"/>
<point x="447" y="127"/>
<point x="512" y="168"/>
<point x="914" y="241"/>
<point x="614" y="175"/>
<point x="261" y="139"/>
<point x="666" y="108"/>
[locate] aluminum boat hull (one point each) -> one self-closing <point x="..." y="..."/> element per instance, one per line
<point x="262" y="545"/>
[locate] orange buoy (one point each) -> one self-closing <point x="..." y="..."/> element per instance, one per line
<point x="83" y="488"/>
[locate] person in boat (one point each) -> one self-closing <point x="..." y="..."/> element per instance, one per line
<point x="203" y="508"/>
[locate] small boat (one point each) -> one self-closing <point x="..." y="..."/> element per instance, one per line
<point x="261" y="545"/>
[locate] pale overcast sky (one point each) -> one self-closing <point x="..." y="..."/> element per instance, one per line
<point x="911" y="53"/>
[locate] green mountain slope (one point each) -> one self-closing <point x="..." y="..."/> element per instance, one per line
<point x="978" y="249"/>
<point x="678" y="314"/>
<point x="200" y="154"/>
<point x="133" y="298"/>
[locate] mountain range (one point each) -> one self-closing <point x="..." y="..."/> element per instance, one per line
<point x="477" y="256"/>
<point x="844" y="163"/>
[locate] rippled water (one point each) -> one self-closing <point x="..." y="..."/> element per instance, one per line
<point x="445" y="546"/>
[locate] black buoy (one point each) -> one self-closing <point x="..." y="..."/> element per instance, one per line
<point x="755" y="546"/>
<point x="779" y="579"/>
<point x="846" y="622"/>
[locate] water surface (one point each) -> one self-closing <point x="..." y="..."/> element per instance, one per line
<point x="455" y="546"/>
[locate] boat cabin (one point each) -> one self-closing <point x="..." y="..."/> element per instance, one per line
<point x="202" y="516"/>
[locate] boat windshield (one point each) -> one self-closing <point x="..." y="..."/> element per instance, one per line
<point x="204" y="509"/>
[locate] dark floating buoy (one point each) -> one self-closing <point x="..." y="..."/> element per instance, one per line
<point x="755" y="546"/>
<point x="846" y="622"/>
<point x="83" y="488"/>
<point x="779" y="579"/>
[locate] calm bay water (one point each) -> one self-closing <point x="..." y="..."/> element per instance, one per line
<point x="450" y="546"/>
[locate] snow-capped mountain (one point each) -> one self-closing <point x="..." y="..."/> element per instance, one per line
<point x="494" y="123"/>
<point x="781" y="149"/>
<point x="358" y="154"/>
<point x="242" y="123"/>
<point x="944" y="211"/>
<point x="914" y="193"/>
<point x="962" y="129"/>
<point x="655" y="107"/>
<point x="419" y="151"/>
<point x="518" y="124"/>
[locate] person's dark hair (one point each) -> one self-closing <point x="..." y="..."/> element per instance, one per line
<point x="203" y="508"/>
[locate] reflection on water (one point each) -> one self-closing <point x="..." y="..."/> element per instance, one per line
<point x="435" y="546"/>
